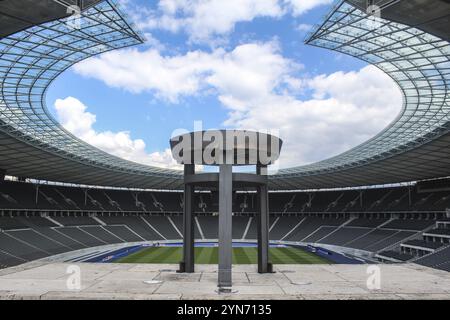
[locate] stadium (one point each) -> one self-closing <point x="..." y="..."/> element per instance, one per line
<point x="384" y="203"/>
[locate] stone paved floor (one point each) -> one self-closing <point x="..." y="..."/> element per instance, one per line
<point x="127" y="281"/>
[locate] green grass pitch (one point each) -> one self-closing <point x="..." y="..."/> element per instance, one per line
<point x="209" y="255"/>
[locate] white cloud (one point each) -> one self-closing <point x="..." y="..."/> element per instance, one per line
<point x="258" y="66"/>
<point x="138" y="71"/>
<point x="303" y="27"/>
<point x="204" y="20"/>
<point x="346" y="110"/>
<point x="300" y="7"/>
<point x="215" y="17"/>
<point x="257" y="84"/>
<point x="73" y="116"/>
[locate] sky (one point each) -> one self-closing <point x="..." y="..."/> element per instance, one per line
<point x="229" y="64"/>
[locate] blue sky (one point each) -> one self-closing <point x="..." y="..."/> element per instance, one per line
<point x="310" y="82"/>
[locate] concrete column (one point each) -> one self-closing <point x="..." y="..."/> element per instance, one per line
<point x="263" y="230"/>
<point x="225" y="219"/>
<point x="264" y="266"/>
<point x="187" y="265"/>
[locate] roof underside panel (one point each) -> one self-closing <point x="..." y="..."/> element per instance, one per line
<point x="18" y="15"/>
<point x="432" y="17"/>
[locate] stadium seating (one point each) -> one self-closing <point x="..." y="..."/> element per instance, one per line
<point x="21" y="195"/>
<point x="42" y="220"/>
<point x="440" y="260"/>
<point x="429" y="247"/>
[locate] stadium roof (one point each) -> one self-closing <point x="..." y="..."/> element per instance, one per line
<point x="19" y="15"/>
<point x="413" y="147"/>
<point x="430" y="16"/>
<point x="32" y="143"/>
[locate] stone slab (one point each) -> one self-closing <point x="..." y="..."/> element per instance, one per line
<point x="127" y="281"/>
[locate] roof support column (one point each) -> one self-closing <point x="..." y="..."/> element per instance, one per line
<point x="187" y="265"/>
<point x="225" y="223"/>
<point x="264" y="266"/>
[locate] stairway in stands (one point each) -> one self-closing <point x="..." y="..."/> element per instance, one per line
<point x="430" y="248"/>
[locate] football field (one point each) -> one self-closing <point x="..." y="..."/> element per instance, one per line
<point x="209" y="255"/>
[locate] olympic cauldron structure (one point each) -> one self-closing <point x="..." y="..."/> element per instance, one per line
<point x="226" y="148"/>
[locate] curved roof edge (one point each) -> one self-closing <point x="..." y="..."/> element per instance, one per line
<point x="34" y="144"/>
<point x="419" y="64"/>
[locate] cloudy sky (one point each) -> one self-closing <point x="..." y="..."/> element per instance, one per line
<point x="230" y="64"/>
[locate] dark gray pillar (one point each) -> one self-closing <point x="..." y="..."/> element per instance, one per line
<point x="263" y="230"/>
<point x="225" y="219"/>
<point x="263" y="225"/>
<point x="187" y="265"/>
